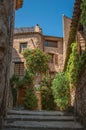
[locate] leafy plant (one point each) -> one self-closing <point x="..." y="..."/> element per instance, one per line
<point x="24" y="81"/>
<point x="17" y="83"/>
<point x="72" y="65"/>
<point x="36" y="60"/>
<point x="30" y="100"/>
<point x="37" y="88"/>
<point x="27" y="80"/>
<point x="47" y="99"/>
<point x="75" y="65"/>
<point x="60" y="90"/>
<point x="83" y="13"/>
<point x="81" y="63"/>
<point x="14" y="80"/>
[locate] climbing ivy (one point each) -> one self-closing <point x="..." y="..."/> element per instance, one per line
<point x="81" y="63"/>
<point x="72" y="66"/>
<point x="83" y="14"/>
<point x="75" y="64"/>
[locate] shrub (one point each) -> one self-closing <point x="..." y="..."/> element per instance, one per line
<point x="27" y="80"/>
<point x="14" y="80"/>
<point x="30" y="100"/>
<point x="61" y="90"/>
<point x="36" y="60"/>
<point x="37" y="88"/>
<point x="47" y="99"/>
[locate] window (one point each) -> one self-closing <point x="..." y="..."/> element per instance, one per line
<point x="23" y="46"/>
<point x="51" y="44"/>
<point x="19" y="68"/>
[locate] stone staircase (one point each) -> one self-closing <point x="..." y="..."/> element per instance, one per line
<point x="40" y="120"/>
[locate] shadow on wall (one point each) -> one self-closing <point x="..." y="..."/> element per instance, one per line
<point x="81" y="97"/>
<point x="17" y="70"/>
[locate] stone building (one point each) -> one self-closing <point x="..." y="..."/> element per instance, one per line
<point x="31" y="38"/>
<point x="7" y="14"/>
<point x="77" y="34"/>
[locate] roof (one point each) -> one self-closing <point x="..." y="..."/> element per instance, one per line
<point x="23" y="30"/>
<point x="73" y="29"/>
<point x="30" y="30"/>
<point x="49" y="36"/>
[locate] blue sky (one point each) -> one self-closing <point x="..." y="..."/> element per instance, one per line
<point x="46" y="13"/>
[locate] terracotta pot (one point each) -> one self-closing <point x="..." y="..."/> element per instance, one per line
<point x="38" y="95"/>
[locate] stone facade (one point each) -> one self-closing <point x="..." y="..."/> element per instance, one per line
<point x="81" y="97"/>
<point x="57" y="65"/>
<point x="66" y="29"/>
<point x="34" y="38"/>
<point x="6" y="19"/>
<point x="80" y="102"/>
<point x="77" y="34"/>
<point x="7" y="11"/>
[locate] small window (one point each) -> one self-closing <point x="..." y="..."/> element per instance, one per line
<point x="51" y="44"/>
<point x="19" y="68"/>
<point x="23" y="46"/>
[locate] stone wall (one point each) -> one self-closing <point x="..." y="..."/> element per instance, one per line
<point x="81" y="96"/>
<point x="35" y="39"/>
<point x="6" y="13"/>
<point x="56" y="51"/>
<point x="66" y="29"/>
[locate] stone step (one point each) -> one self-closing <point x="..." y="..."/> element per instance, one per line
<point x="44" y="125"/>
<point x="38" y="113"/>
<point x="39" y="118"/>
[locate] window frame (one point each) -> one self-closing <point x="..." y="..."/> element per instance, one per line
<point x="19" y="68"/>
<point x="49" y="43"/>
<point x="20" y="48"/>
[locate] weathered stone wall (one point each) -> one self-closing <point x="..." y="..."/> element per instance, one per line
<point x="81" y="41"/>
<point x="33" y="41"/>
<point x="66" y="29"/>
<point x="56" y="51"/>
<point x="37" y="40"/>
<point x="6" y="13"/>
<point x="81" y="96"/>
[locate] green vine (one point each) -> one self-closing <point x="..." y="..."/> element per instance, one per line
<point x="75" y="65"/>
<point x="81" y="63"/>
<point x="72" y="66"/>
<point x="83" y="14"/>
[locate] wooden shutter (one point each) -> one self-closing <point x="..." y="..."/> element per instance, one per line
<point x="19" y="69"/>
